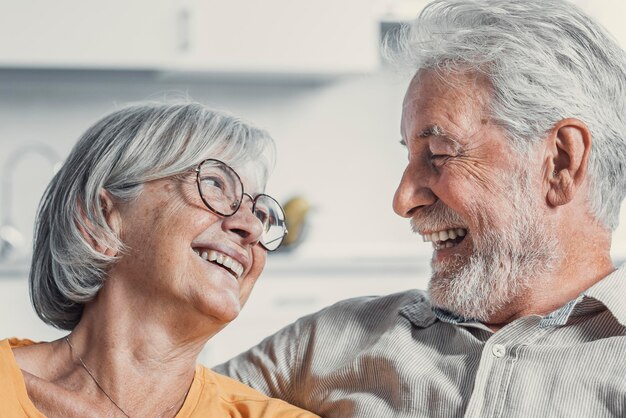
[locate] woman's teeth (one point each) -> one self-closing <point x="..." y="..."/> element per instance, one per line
<point x="446" y="238"/>
<point x="222" y="259"/>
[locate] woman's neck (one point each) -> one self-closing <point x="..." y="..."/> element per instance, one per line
<point x="136" y="353"/>
<point x="141" y="354"/>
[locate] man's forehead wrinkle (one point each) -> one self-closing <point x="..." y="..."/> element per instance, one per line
<point x="411" y="100"/>
<point x="459" y="107"/>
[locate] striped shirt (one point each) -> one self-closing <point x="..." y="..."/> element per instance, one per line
<point x="394" y="356"/>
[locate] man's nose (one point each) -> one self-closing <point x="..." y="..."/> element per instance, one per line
<point x="245" y="223"/>
<point x="413" y="192"/>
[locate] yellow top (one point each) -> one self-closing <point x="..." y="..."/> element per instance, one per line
<point x="210" y="395"/>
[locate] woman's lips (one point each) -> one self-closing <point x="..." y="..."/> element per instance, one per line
<point x="213" y="256"/>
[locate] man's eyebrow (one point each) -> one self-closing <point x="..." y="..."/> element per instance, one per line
<point x="438" y="131"/>
<point x="433" y="130"/>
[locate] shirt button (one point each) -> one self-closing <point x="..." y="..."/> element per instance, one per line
<point x="498" y="350"/>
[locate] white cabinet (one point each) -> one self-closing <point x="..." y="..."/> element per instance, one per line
<point x="281" y="36"/>
<point x="207" y="36"/>
<point x="87" y="34"/>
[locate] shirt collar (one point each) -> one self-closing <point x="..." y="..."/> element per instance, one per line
<point x="419" y="313"/>
<point x="422" y="315"/>
<point x="611" y="292"/>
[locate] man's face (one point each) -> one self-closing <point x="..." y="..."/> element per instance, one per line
<point x="478" y="200"/>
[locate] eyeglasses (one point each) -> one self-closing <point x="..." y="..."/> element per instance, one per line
<point x="221" y="190"/>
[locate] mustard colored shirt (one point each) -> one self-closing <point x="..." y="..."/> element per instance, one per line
<point x="210" y="395"/>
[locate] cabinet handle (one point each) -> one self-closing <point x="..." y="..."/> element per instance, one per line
<point x="184" y="29"/>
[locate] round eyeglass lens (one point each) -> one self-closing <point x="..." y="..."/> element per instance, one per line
<point x="220" y="187"/>
<point x="271" y="215"/>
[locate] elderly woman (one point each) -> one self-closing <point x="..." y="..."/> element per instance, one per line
<point x="148" y="242"/>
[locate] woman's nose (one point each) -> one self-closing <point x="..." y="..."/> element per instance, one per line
<point x="244" y="223"/>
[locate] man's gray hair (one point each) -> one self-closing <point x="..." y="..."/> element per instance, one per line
<point x="133" y="145"/>
<point x="546" y="61"/>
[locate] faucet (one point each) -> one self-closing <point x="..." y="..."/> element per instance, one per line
<point x="12" y="241"/>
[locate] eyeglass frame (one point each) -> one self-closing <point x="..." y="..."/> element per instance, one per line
<point x="243" y="193"/>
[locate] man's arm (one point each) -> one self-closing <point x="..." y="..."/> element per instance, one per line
<point x="273" y="367"/>
<point x="316" y="361"/>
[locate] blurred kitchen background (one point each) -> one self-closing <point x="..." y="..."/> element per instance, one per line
<point x="310" y="72"/>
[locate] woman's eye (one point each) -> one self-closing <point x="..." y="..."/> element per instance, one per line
<point x="213" y="182"/>
<point x="263" y="217"/>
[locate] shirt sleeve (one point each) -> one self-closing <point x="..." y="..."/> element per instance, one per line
<point x="274" y="367"/>
<point x="314" y="359"/>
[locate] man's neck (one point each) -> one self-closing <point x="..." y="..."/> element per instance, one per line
<point x="573" y="276"/>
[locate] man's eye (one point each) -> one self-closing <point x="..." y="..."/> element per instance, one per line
<point x="439" y="159"/>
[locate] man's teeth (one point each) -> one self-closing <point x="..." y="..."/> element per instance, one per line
<point x="221" y="258"/>
<point x="445" y="238"/>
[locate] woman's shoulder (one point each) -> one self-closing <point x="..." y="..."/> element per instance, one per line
<point x="29" y="355"/>
<point x="8" y="346"/>
<point x="14" y="400"/>
<point x="241" y="400"/>
<point x="19" y="349"/>
<point x="10" y="370"/>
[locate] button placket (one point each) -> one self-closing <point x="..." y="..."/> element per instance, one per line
<point x="496" y="367"/>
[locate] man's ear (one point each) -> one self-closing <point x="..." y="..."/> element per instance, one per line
<point x="569" y="145"/>
<point x="112" y="219"/>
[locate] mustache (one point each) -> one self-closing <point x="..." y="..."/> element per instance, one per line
<point x="434" y="217"/>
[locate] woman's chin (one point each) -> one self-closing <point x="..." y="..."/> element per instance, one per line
<point x="222" y="311"/>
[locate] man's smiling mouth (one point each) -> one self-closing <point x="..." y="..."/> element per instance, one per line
<point x="445" y="238"/>
<point x="222" y="260"/>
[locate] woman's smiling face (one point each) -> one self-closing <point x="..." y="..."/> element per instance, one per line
<point x="170" y="236"/>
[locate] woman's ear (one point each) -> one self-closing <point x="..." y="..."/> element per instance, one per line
<point x="111" y="217"/>
<point x="569" y="145"/>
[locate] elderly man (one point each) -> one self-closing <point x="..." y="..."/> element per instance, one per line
<point x="514" y="126"/>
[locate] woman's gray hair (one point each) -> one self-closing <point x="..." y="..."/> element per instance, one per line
<point x="133" y="145"/>
<point x="546" y="61"/>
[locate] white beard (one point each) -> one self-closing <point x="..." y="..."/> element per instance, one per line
<point x="503" y="263"/>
